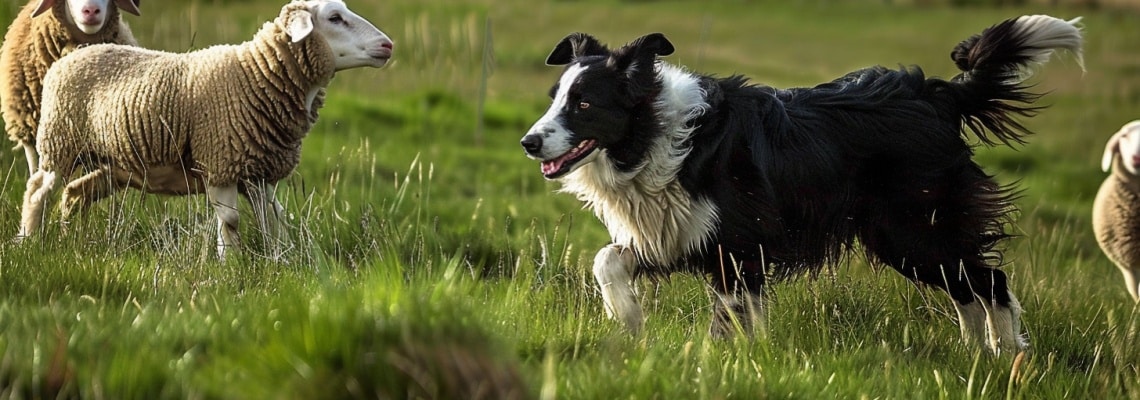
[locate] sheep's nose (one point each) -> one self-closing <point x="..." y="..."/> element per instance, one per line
<point x="386" y="45"/>
<point x="532" y="144"/>
<point x="91" y="11"/>
<point x="1136" y="159"/>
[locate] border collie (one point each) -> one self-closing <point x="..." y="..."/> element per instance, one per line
<point x="746" y="183"/>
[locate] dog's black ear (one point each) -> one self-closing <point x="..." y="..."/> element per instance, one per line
<point x="575" y="45"/>
<point x="640" y="53"/>
<point x="653" y="43"/>
<point x="637" y="60"/>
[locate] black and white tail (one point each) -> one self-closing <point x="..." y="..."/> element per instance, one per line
<point x="990" y="92"/>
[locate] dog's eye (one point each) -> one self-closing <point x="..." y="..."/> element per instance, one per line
<point x="583" y="105"/>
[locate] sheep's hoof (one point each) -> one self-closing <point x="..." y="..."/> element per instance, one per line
<point x="19" y="239"/>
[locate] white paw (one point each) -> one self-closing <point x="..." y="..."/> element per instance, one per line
<point x="614" y="268"/>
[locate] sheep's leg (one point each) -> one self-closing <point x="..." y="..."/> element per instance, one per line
<point x="614" y="268"/>
<point x="32" y="156"/>
<point x="1130" y="282"/>
<point x="88" y="189"/>
<point x="40" y="186"/>
<point x="268" y="212"/>
<point x="225" y="202"/>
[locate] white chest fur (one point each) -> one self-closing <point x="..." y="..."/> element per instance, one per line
<point x="647" y="209"/>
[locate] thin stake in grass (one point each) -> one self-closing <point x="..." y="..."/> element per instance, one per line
<point x="487" y="69"/>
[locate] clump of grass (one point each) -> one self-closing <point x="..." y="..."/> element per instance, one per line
<point x="384" y="341"/>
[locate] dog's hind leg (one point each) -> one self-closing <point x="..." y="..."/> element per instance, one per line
<point x="945" y="236"/>
<point x="1004" y="324"/>
<point x="988" y="313"/>
<point x="990" y="320"/>
<point x="739" y="304"/>
<point x="980" y="211"/>
<point x="972" y="321"/>
<point x="614" y="268"/>
<point x="742" y="312"/>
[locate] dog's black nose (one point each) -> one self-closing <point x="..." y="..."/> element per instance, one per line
<point x="532" y="144"/>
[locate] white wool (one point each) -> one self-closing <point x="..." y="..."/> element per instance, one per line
<point x="32" y="45"/>
<point x="203" y="121"/>
<point x="1116" y="208"/>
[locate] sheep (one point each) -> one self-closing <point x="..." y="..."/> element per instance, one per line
<point x="1116" y="209"/>
<point x="35" y="41"/>
<point x="224" y="121"/>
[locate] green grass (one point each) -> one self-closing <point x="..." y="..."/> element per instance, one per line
<point x="430" y="259"/>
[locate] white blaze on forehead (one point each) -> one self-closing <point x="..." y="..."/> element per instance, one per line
<point x="568" y="79"/>
<point x="561" y="97"/>
<point x="555" y="136"/>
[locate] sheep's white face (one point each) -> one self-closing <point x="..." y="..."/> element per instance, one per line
<point x="354" y="41"/>
<point x="88" y="15"/>
<point x="1130" y="148"/>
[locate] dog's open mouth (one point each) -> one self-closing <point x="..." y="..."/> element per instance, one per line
<point x="563" y="164"/>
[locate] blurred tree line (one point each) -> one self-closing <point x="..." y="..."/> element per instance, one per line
<point x="1089" y="4"/>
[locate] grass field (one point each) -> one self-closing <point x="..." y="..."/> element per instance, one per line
<point x="431" y="259"/>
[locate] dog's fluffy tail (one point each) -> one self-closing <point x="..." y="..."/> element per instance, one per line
<point x="990" y="91"/>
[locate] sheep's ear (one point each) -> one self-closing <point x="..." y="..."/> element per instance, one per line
<point x="573" y="46"/>
<point x="131" y="6"/>
<point x="299" y="24"/>
<point x="1110" y="151"/>
<point x="44" y="6"/>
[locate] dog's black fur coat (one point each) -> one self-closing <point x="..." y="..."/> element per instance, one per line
<point x="798" y="175"/>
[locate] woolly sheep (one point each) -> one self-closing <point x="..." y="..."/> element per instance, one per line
<point x="210" y="121"/>
<point x="35" y="40"/>
<point x="1116" y="210"/>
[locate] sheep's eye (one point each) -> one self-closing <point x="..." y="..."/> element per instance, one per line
<point x="583" y="105"/>
<point x="336" y="19"/>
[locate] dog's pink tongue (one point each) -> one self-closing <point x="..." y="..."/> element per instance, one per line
<point x="552" y="166"/>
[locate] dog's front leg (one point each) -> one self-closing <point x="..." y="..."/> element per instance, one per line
<point x="614" y="268"/>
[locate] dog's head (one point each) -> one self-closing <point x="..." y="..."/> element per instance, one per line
<point x="595" y="100"/>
